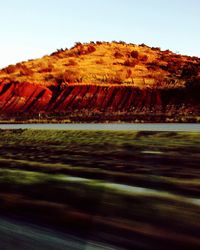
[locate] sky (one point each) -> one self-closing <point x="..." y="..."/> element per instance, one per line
<point x="34" y="28"/>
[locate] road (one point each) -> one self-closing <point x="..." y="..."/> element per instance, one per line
<point x="17" y="235"/>
<point x="191" y="127"/>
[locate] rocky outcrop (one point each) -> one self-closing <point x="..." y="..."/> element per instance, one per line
<point x="23" y="97"/>
<point x="27" y="98"/>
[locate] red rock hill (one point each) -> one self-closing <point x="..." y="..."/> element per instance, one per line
<point x="104" y="81"/>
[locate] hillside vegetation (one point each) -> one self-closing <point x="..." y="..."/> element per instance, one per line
<point x="103" y="77"/>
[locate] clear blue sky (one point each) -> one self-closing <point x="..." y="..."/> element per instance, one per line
<point x="33" y="28"/>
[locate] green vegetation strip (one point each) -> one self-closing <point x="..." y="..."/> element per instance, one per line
<point x="182" y="186"/>
<point x="106" y="199"/>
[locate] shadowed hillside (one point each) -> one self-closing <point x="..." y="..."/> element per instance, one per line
<point x="103" y="82"/>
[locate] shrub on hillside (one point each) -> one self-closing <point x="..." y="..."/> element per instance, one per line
<point x="91" y="49"/>
<point x="49" y="77"/>
<point x="71" y="62"/>
<point x="10" y="69"/>
<point x="165" y="57"/>
<point x="58" y="53"/>
<point x="25" y="71"/>
<point x="166" y="52"/>
<point x="189" y="71"/>
<point x="122" y="42"/>
<point x="130" y="63"/>
<point x="73" y="53"/>
<point x="120" y="76"/>
<point x="153" y="66"/>
<point x="77" y="45"/>
<point x="117" y="78"/>
<point x="174" y="67"/>
<point x="69" y="76"/>
<point x="143" y="58"/>
<point x="164" y="67"/>
<point x="135" y="54"/>
<point x="118" y="55"/>
<point x="46" y="69"/>
<point x="82" y="50"/>
<point x="156" y="49"/>
<point x="143" y="45"/>
<point x="98" y="42"/>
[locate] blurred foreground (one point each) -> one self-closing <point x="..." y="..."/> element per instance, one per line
<point x="99" y="190"/>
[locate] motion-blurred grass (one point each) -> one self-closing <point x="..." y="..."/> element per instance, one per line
<point x="132" y="189"/>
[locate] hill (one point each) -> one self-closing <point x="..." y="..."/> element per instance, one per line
<point x="103" y="82"/>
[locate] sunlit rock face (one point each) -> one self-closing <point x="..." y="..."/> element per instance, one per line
<point x="23" y="97"/>
<point x="33" y="99"/>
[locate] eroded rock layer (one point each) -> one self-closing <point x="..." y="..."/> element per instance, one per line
<point x="34" y="99"/>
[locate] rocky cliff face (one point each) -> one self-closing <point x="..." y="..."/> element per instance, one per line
<point x="23" y="97"/>
<point x="120" y="102"/>
<point x="83" y="83"/>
